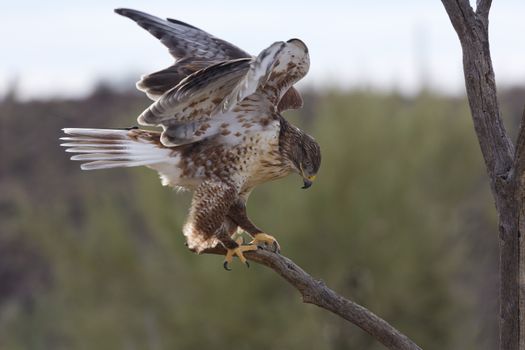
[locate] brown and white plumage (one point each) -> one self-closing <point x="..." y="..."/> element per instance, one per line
<point x="222" y="131"/>
<point x="193" y="50"/>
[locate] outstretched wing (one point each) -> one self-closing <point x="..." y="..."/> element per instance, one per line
<point x="184" y="40"/>
<point x="192" y="48"/>
<point x="186" y="111"/>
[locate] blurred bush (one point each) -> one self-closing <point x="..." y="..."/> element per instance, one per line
<point x="400" y="220"/>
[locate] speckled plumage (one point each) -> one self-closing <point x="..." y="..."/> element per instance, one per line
<point x="223" y="133"/>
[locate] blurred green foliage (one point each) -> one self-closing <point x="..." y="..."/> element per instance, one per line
<point x="400" y="220"/>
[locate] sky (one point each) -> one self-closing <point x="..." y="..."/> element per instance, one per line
<point x="62" y="48"/>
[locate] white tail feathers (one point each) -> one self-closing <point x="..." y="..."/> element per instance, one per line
<point x="112" y="148"/>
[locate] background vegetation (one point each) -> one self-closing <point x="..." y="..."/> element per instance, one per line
<point x="400" y="220"/>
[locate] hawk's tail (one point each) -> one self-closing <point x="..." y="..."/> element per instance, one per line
<point x="112" y="148"/>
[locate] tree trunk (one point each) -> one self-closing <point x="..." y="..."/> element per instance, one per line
<point x="504" y="166"/>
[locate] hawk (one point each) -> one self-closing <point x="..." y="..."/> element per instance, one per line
<point x="222" y="130"/>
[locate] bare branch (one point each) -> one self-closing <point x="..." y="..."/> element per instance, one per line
<point x="496" y="147"/>
<point x="316" y="292"/>
<point x="483" y="8"/>
<point x="460" y="13"/>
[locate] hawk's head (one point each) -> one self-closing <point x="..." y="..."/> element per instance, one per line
<point x="301" y="150"/>
<point x="307" y="159"/>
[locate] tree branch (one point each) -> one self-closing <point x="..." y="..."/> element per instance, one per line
<point x="472" y="31"/>
<point x="316" y="292"/>
<point x="483" y="7"/>
<point x="460" y="12"/>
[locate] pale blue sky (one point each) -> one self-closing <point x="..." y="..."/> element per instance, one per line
<point x="62" y="47"/>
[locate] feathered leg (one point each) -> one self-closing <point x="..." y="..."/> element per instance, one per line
<point x="238" y="215"/>
<point x="207" y="221"/>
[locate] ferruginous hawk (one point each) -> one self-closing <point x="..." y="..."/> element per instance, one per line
<point x="222" y="131"/>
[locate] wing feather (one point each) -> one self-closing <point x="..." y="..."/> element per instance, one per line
<point x="184" y="40"/>
<point x="291" y="100"/>
<point x="156" y="84"/>
<point x="257" y="75"/>
<point x="186" y="112"/>
<point x="292" y="65"/>
<point x="197" y="96"/>
<point x="192" y="48"/>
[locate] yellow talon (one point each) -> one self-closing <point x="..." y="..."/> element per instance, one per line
<point x="239" y="252"/>
<point x="266" y="238"/>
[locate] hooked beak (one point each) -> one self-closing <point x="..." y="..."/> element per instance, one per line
<point x="308" y="181"/>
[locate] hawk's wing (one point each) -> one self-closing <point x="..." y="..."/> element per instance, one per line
<point x="184" y="40"/>
<point x="288" y="65"/>
<point x="291" y="65"/>
<point x="193" y="50"/>
<point x="186" y="112"/>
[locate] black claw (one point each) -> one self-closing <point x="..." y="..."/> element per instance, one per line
<point x="225" y="265"/>
<point x="247" y="264"/>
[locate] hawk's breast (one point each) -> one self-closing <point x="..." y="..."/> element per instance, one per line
<point x="244" y="152"/>
<point x="266" y="161"/>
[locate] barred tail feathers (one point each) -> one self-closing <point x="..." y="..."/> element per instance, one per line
<point x="113" y="148"/>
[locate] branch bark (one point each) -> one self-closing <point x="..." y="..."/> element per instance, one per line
<point x="519" y="166"/>
<point x="483" y="7"/>
<point x="504" y="167"/>
<point x="316" y="292"/>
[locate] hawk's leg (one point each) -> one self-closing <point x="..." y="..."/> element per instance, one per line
<point x="208" y="220"/>
<point x="234" y="248"/>
<point x="238" y="214"/>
